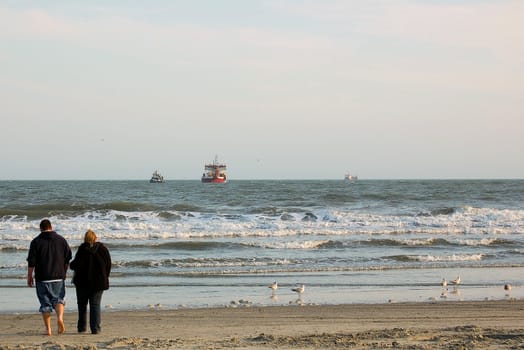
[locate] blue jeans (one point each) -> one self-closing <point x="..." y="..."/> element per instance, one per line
<point x="49" y="294"/>
<point x="83" y="297"/>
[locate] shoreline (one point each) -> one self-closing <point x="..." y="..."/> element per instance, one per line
<point x="482" y="324"/>
<point x="480" y="284"/>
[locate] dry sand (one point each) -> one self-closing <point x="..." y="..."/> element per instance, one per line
<point x="439" y="325"/>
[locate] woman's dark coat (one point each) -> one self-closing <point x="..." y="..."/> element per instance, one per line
<point x="92" y="266"/>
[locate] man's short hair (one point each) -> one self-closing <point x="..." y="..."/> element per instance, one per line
<point x="45" y="225"/>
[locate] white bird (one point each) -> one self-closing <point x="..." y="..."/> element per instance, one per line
<point x="273" y="286"/>
<point x="507" y="287"/>
<point x="456" y="280"/>
<point x="444" y="283"/>
<point x="299" y="289"/>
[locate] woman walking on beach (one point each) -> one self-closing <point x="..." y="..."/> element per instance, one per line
<point x="92" y="266"/>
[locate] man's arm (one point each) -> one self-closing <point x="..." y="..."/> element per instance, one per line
<point x="30" y="280"/>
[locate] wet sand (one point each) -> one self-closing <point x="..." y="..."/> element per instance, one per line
<point x="451" y="325"/>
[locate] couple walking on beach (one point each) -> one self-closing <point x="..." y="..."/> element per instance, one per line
<point x="49" y="258"/>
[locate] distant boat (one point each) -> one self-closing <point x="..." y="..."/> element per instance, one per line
<point x="156" y="178"/>
<point x="350" y="178"/>
<point x="214" y="172"/>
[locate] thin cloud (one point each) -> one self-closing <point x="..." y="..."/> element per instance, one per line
<point x="495" y="25"/>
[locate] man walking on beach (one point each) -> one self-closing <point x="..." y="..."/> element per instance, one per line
<point x="49" y="256"/>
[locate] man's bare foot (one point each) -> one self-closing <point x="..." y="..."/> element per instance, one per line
<point x="61" y="327"/>
<point x="48" y="332"/>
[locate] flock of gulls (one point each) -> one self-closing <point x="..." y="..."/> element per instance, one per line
<point x="300" y="288"/>
<point x="451" y="287"/>
<point x="455" y="283"/>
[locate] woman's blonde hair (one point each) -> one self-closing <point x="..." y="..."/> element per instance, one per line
<point x="90" y="237"/>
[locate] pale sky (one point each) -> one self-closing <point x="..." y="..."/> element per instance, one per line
<point x="277" y="89"/>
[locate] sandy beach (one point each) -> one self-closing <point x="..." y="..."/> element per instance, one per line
<point x="453" y="325"/>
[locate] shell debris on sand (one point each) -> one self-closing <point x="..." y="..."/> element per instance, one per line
<point x="240" y="303"/>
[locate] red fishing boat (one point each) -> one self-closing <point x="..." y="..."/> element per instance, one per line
<point x="214" y="172"/>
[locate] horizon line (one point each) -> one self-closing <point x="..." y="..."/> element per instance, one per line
<point x="287" y="179"/>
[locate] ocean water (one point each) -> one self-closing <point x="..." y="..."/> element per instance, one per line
<point x="188" y="244"/>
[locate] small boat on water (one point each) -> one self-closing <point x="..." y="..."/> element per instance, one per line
<point x="350" y="178"/>
<point x="156" y="178"/>
<point x="214" y="172"/>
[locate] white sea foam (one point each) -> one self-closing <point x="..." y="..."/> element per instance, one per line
<point x="145" y="225"/>
<point x="417" y="242"/>
<point x="292" y="244"/>
<point x="454" y="257"/>
<point x="478" y="242"/>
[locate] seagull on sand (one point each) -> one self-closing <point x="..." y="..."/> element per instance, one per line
<point x="444" y="283"/>
<point x="507" y="287"/>
<point x="300" y="289"/>
<point x="456" y="281"/>
<point x="273" y="286"/>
